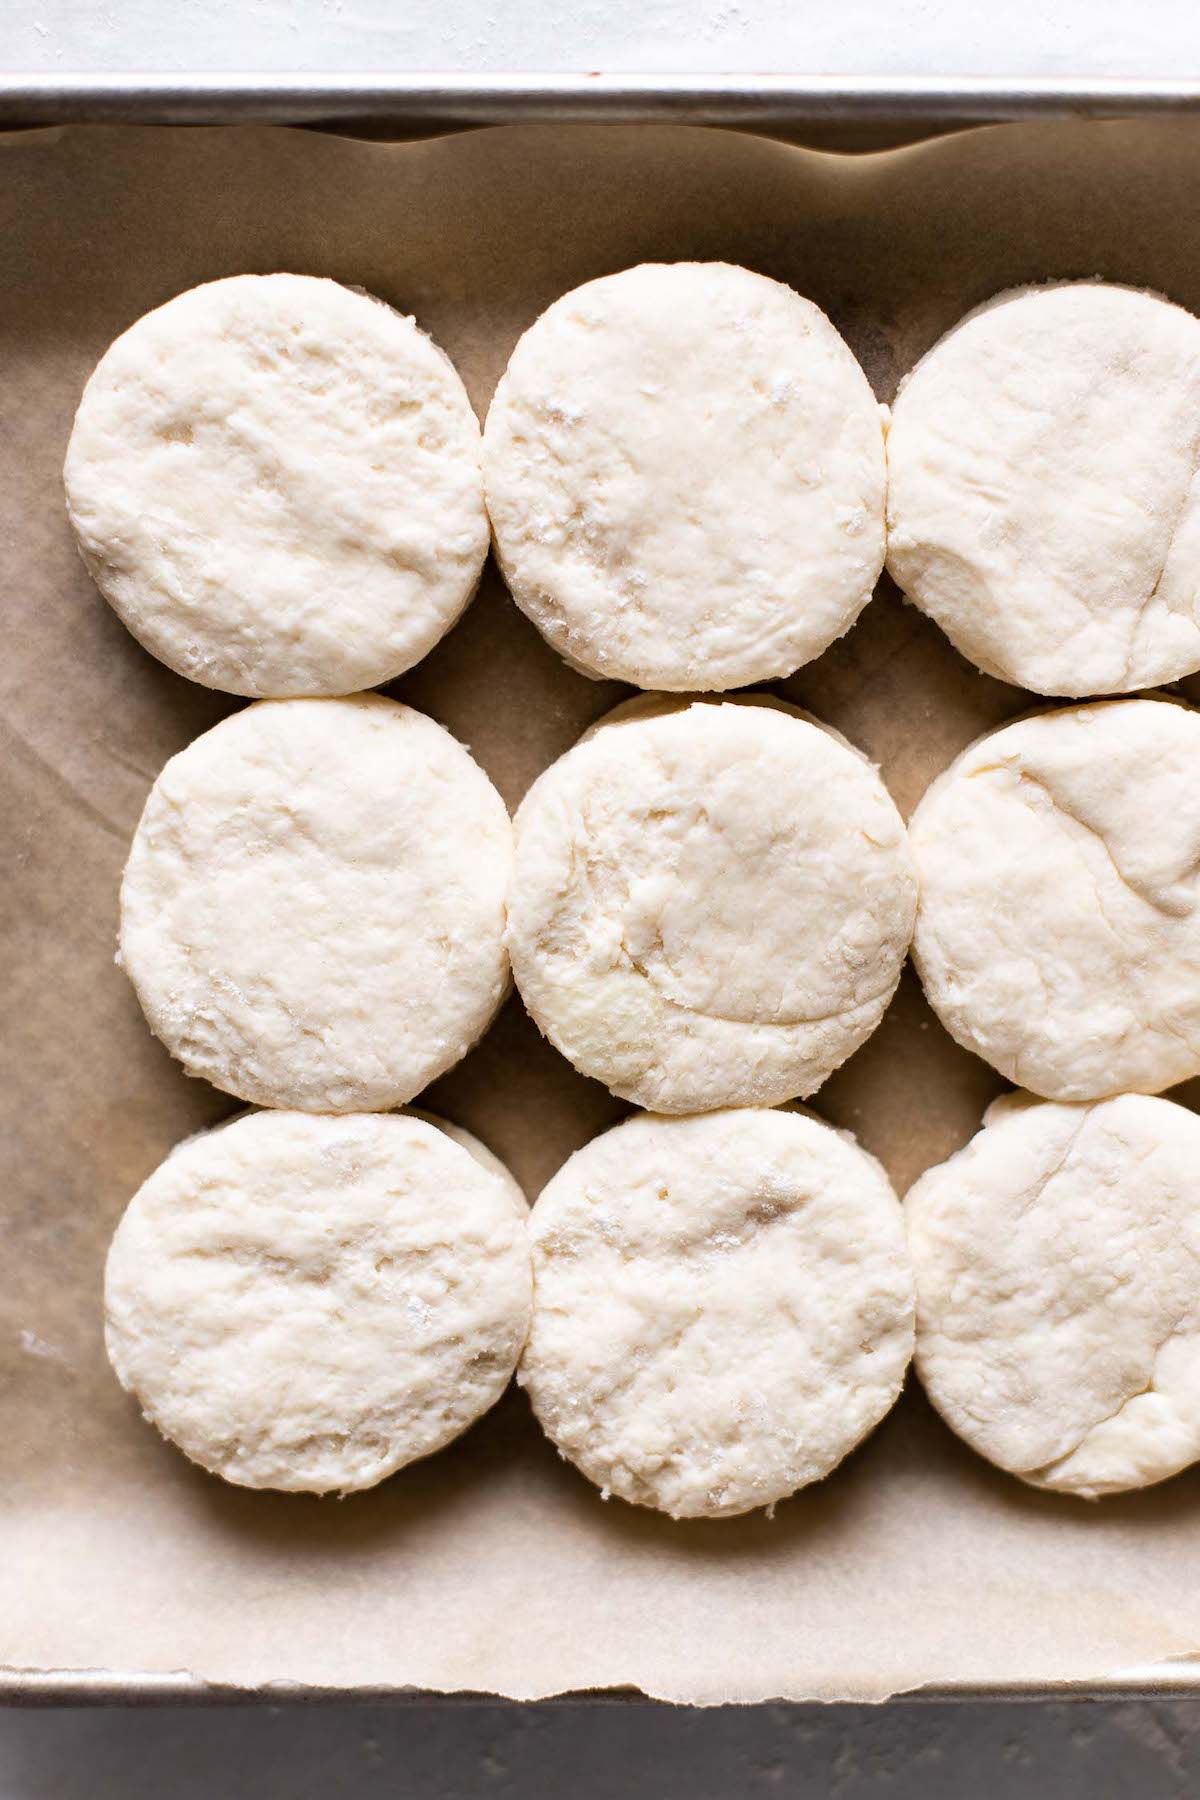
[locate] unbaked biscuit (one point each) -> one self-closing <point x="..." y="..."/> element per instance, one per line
<point x="276" y="483"/>
<point x="311" y="1303"/>
<point x="313" y="908"/>
<point x="685" y="476"/>
<point x="1057" y="1265"/>
<point x="1043" y="488"/>
<point x="1058" y="928"/>
<point x="711" y="902"/>
<point x="722" y="1308"/>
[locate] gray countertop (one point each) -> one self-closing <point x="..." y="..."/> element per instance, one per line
<point x="1072" y="1751"/>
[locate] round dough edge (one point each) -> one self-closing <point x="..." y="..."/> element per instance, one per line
<point x="632" y="518"/>
<point x="676" y="1379"/>
<point x="307" y="1348"/>
<point x="191" y="486"/>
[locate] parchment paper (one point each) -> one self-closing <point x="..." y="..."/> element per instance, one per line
<point x="494" y="1566"/>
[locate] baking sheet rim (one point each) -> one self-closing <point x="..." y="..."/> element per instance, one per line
<point x="106" y="1687"/>
<point x="452" y="97"/>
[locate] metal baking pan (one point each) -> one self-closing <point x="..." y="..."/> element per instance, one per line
<point x="416" y="102"/>
<point x="839" y="112"/>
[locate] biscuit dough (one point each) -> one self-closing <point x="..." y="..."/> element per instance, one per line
<point x="310" y="1303"/>
<point x="313" y="908"/>
<point x="1057" y="1264"/>
<point x="1058" y="929"/>
<point x="685" y="476"/>
<point x="1043" y="488"/>
<point x="722" y="1308"/>
<point x="275" y="481"/>
<point x="711" y="903"/>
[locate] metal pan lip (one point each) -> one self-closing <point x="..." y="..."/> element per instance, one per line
<point x="101" y="1687"/>
<point x="756" y="101"/>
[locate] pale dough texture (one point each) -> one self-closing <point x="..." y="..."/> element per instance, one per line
<point x="1043" y="500"/>
<point x="722" y="1308"/>
<point x="1058" y="929"/>
<point x="311" y="1303"/>
<point x="313" y="908"/>
<point x="1057" y="1265"/>
<point x="276" y="483"/>
<point x="711" y="903"/>
<point x="685" y="476"/>
<point x="487" y="1159"/>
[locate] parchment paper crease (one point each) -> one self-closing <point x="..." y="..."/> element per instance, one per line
<point x="494" y="1566"/>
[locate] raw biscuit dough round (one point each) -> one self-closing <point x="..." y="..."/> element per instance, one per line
<point x="685" y="474"/>
<point x="313" y="907"/>
<point x="722" y="1308"/>
<point x="1058" y="927"/>
<point x="276" y="483"/>
<point x="310" y="1303"/>
<point x="711" y="902"/>
<point x="1057" y="1266"/>
<point x="1043" y="488"/>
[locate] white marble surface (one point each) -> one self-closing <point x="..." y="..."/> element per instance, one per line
<point x="980" y="37"/>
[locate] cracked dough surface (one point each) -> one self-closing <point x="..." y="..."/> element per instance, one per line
<point x="311" y="1303"/>
<point x="685" y="476"/>
<point x="722" y="1308"/>
<point x="711" y="902"/>
<point x="276" y="483"/>
<point x="313" y="908"/>
<point x="1058" y="929"/>
<point x="1043" y="496"/>
<point x="1057" y="1264"/>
